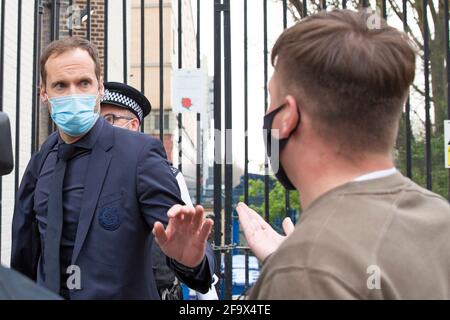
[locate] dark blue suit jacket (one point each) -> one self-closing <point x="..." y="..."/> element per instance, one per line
<point x="129" y="185"/>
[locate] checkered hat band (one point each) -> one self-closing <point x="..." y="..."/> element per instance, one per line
<point x="123" y="100"/>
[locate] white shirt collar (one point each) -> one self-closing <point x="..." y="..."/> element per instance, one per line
<point x="376" y="174"/>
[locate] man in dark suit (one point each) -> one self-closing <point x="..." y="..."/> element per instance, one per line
<point x="92" y="195"/>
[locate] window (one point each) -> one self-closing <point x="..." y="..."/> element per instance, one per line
<point x="166" y="121"/>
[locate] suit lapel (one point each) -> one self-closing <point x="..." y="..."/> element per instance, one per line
<point x="97" y="169"/>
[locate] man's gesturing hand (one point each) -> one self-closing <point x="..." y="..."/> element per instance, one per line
<point x="261" y="237"/>
<point x="184" y="240"/>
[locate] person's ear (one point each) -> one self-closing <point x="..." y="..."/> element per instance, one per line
<point x="290" y="117"/>
<point x="101" y="87"/>
<point x="44" y="96"/>
<point x="42" y="93"/>
<point x="135" y="124"/>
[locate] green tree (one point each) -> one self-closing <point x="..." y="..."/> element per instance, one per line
<point x="440" y="175"/>
<point x="277" y="203"/>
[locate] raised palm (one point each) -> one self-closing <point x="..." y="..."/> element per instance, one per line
<point x="184" y="239"/>
<point x="262" y="239"/>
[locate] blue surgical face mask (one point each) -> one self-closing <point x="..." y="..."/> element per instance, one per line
<point x="74" y="114"/>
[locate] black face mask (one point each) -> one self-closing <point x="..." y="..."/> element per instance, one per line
<point x="280" y="173"/>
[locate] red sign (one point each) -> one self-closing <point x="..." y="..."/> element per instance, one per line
<point x="186" y="103"/>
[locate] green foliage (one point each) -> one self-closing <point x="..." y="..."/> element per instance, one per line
<point x="439" y="174"/>
<point x="277" y="201"/>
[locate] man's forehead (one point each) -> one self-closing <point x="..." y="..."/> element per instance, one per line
<point x="72" y="54"/>
<point x="72" y="60"/>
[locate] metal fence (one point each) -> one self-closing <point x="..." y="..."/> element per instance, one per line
<point x="415" y="154"/>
